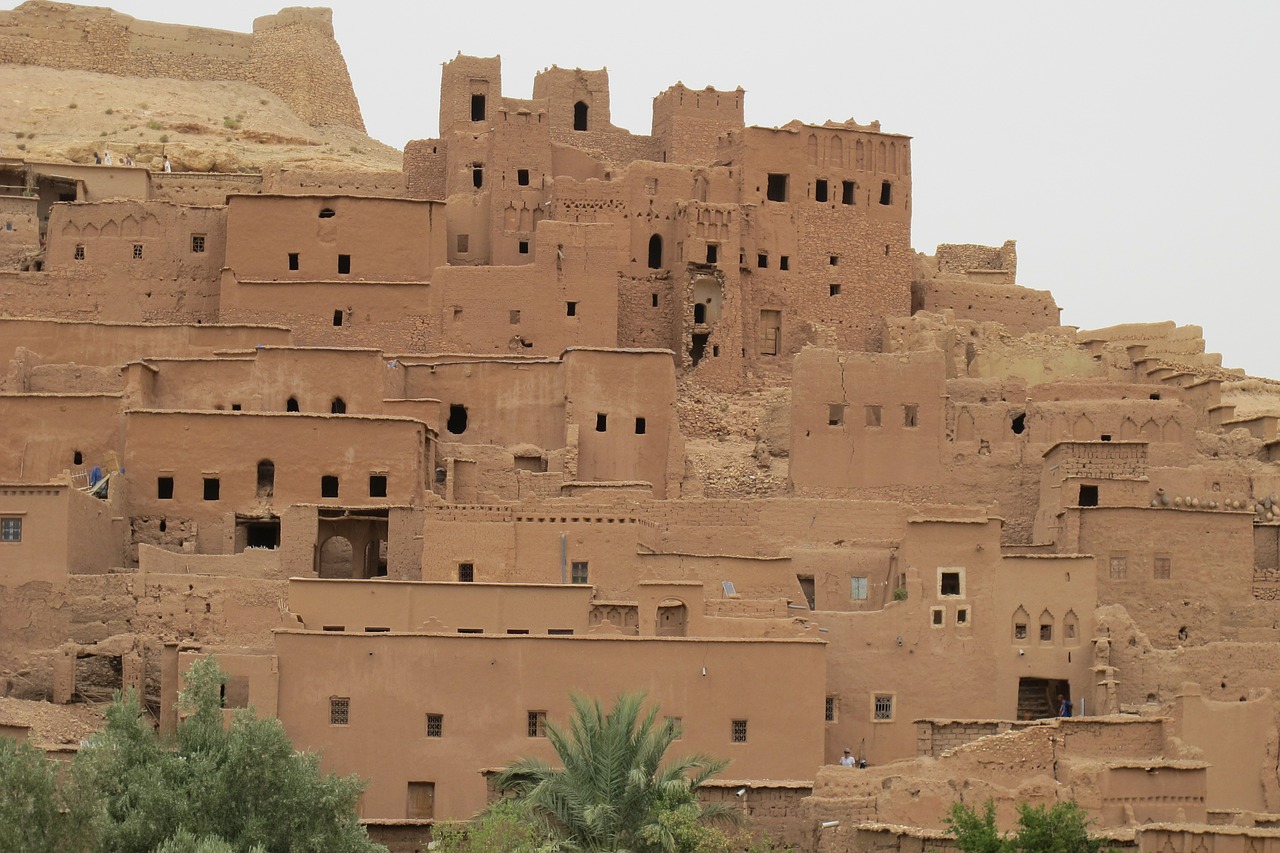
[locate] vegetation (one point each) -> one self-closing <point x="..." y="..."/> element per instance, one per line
<point x="1062" y="828"/>
<point x="613" y="792"/>
<point x="154" y="124"/>
<point x="211" y="789"/>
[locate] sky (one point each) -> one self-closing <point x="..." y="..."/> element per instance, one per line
<point x="1132" y="148"/>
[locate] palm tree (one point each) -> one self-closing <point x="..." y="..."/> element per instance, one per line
<point x="614" y="790"/>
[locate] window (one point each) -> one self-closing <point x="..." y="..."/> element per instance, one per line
<point x="477" y="107"/>
<point x="477" y="176"/>
<point x="835" y="414"/>
<point x="10" y="530"/>
<point x="675" y="725"/>
<point x="537" y="724"/>
<point x="776" y="189"/>
<point x="949" y="583"/>
<point x="882" y="708"/>
<point x="910" y="415"/>
<point x="602" y="422"/>
<point x="337" y="406"/>
<point x="1088" y="496"/>
<point x="858" y="589"/>
<point x="846" y="192"/>
<point x="463" y="242"/>
<point x="513" y="316"/>
<point x="328" y="486"/>
<point x="137" y="251"/>
<point x="580" y="111"/>
<point x="820" y="190"/>
<point x="1119" y="567"/>
<point x="560" y="632"/>
<point x="738" y="731"/>
<point x="523" y="247"/>
<point x="291" y="405"/>
<point x="339" y="711"/>
<point x="886" y="193"/>
<point x="79" y="252"/>
<point x="713" y="253"/>
<point x="833" y="290"/>
<point x="337" y="317"/>
<point x="77" y="458"/>
<point x="377" y="485"/>
<point x="344" y="264"/>
<point x="873" y="416"/>
<point x="466" y="572"/>
<point x="651" y="186"/>
<point x="470" y="630"/>
<point x="655" y="252"/>
<point x="829" y="711"/>
<point x="327" y="213"/>
<point x="962" y="616"/>
<point x="762" y="261"/>
<point x="197" y="244"/>
<point x="937" y="616"/>
<point x="457" y="422"/>
<point x="212" y="488"/>
<point x="833" y="260"/>
<point x="784" y="262"/>
<point x="1164" y="568"/>
<point x="571" y="309"/>
<point x="653" y="300"/>
<point x="1020" y="630"/>
<point x="435" y="725"/>
<point x="1046" y="633"/>
<point x="293" y="260"/>
<point x="578" y="572"/>
<point x="164" y="488"/>
<point x="641" y="426"/>
<point x="522" y="177"/>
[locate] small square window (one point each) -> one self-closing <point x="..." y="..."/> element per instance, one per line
<point x="776" y="188"/>
<point x="466" y="572"/>
<point x="962" y="616"/>
<point x="1088" y="495"/>
<point x="212" y="488"/>
<point x="571" y="309"/>
<point x="641" y="426"/>
<point x="164" y="488"/>
<point x="738" y="731"/>
<point x="435" y="725"/>
<point x="537" y="724"/>
<point x="835" y="414"/>
<point x="513" y="317"/>
<point x="477" y="176"/>
<point x="463" y="243"/>
<point x="833" y="290"/>
<point x="784" y="262"/>
<point x="293" y="261"/>
<point x="523" y="247"/>
<point x="858" y="589"/>
<point x="1163" y="568"/>
<point x="10" y="530"/>
<point x="676" y="726"/>
<point x="1119" y="567"/>
<point x="829" y="712"/>
<point x="910" y="415"/>
<point x="938" y="615"/>
<point x="1020" y="630"/>
<point x="522" y="177"/>
<point x="949" y="584"/>
<point x="882" y="707"/>
<point x="79" y="252"/>
<point x="344" y="264"/>
<point x="873" y="416"/>
<point x="1046" y="633"/>
<point x="339" y="711"/>
<point x="137" y="251"/>
<point x="833" y="260"/>
<point x="328" y="486"/>
<point x="197" y="244"/>
<point x="377" y="485"/>
<point x="578" y="572"/>
<point x="762" y="261"/>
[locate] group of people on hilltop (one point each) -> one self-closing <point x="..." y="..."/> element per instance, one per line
<point x="104" y="159"/>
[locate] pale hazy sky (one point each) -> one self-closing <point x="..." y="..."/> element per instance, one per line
<point x="1129" y="147"/>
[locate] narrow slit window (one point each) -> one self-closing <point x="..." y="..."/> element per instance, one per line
<point x="713" y="253"/>
<point x="137" y="251"/>
<point x="293" y="261"/>
<point x="640" y="426"/>
<point x="784" y="263"/>
<point x="846" y="192"/>
<point x="337" y="317"/>
<point x="602" y="422"/>
<point x="571" y="309"/>
<point x="820" y="190"/>
<point x="886" y="193"/>
<point x="580" y="115"/>
<point x="477" y="176"/>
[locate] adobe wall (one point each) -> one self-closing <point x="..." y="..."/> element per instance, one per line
<point x="50" y="429"/>
<point x="20" y="235"/>
<point x="116" y="344"/>
<point x="1019" y="309"/>
<point x="292" y="53"/>
<point x="688" y="123"/>
<point x="203" y="188"/>
<point x="285" y="181"/>
<point x="390" y="690"/>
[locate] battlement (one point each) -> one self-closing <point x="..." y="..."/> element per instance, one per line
<point x="291" y="53"/>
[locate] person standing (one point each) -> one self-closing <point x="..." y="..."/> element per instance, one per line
<point x="1064" y="706"/>
<point x="167" y="166"/>
<point x="847" y="760"/>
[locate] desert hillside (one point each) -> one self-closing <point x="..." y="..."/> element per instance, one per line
<point x="220" y="126"/>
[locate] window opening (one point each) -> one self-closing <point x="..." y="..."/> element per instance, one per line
<point x="833" y="260"/>
<point x="463" y="243"/>
<point x="962" y="616"/>
<point x="770" y="332"/>
<point x="477" y="107"/>
<point x="328" y="486"/>
<point x="79" y="255"/>
<point x="829" y="711"/>
<point x="698" y="348"/>
<point x="292" y="405"/>
<point x="949" y="584"/>
<point x="197" y="244"/>
<point x="910" y="415"/>
<point x="1106" y="436"/>
<point x="655" y="252"/>
<point x="137" y="251"/>
<point x="776" y="188"/>
<point x="571" y="309"/>
<point x="938" y="614"/>
<point x="820" y="190"/>
<point x="435" y="725"/>
<point x="327" y="213"/>
<point x="338" y="406"/>
<point x="738" y="731"/>
<point x="846" y="192"/>
<point x="784" y="263"/>
<point x="466" y="572"/>
<point x="537" y="724"/>
<point x="858" y="589"/>
<point x="1119" y="567"/>
<point x="457" y="423"/>
<point x="337" y="317"/>
<point x="834" y="290"/>
<point x="1088" y="496"/>
<point x="641" y="426"/>
<point x="808" y="589"/>
<point x="377" y="485"/>
<point x="164" y="488"/>
<point x="762" y="261"/>
<point x="212" y="488"/>
<point x="1020" y="630"/>
<point x="1019" y="423"/>
<point x="653" y="300"/>
<point x="602" y="421"/>
<point x="699" y="313"/>
<point x="523" y="247"/>
<point x="344" y="264"/>
<point x="339" y="711"/>
<point x="77" y="458"/>
<point x="883" y="711"/>
<point x="1163" y="568"/>
<point x="266" y="478"/>
<point x="578" y="572"/>
<point x="293" y="260"/>
<point x="522" y="177"/>
<point x="477" y="176"/>
<point x="713" y="253"/>
<point x="10" y="530"/>
<point x="835" y="414"/>
<point x="580" y="111"/>
<point x="886" y="193"/>
<point x="513" y="317"/>
<point x="873" y="414"/>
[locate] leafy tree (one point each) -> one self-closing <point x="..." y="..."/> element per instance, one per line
<point x="36" y="814"/>
<point x="506" y="826"/>
<point x="240" y="788"/>
<point x="613" y="792"/>
<point x="1060" y="828"/>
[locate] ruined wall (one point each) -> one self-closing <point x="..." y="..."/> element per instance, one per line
<point x="292" y="54"/>
<point x="19" y="230"/>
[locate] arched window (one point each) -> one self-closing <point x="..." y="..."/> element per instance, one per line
<point x="338" y="406"/>
<point x="655" y="252"/>
<point x="266" y="478"/>
<point x="292" y="405"/>
<point x="580" y="115"/>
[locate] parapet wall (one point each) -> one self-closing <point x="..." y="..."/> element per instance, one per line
<point x="292" y="54"/>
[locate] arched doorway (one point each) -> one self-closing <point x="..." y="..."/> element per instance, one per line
<point x="673" y="618"/>
<point x="266" y="478"/>
<point x="336" y="558"/>
<point x="655" y="252"/>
